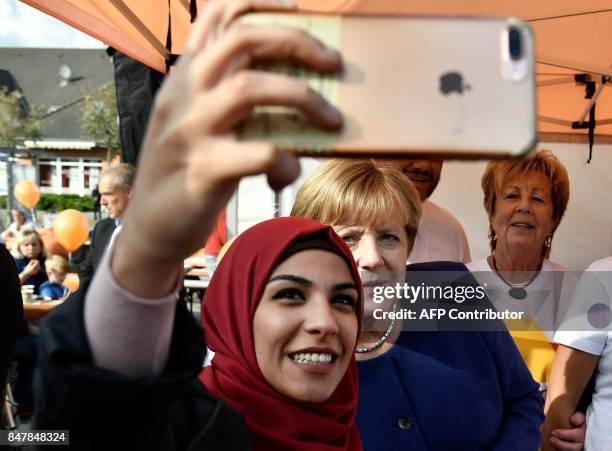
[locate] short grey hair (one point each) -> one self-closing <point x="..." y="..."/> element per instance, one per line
<point x="123" y="174"/>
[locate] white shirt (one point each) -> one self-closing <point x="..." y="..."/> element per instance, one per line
<point x="440" y="237"/>
<point x="581" y="331"/>
<point x="547" y="295"/>
<point x="28" y="225"/>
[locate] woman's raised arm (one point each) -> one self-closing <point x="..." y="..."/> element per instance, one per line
<point x="191" y="162"/>
<point x="569" y="375"/>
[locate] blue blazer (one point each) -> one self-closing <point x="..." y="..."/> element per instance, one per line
<point x="437" y="390"/>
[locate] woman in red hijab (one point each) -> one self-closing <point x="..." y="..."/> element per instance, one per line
<point x="282" y="316"/>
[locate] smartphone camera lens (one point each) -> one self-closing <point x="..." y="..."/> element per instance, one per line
<point x="514" y="42"/>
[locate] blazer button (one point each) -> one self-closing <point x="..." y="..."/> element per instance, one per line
<point x="404" y="423"/>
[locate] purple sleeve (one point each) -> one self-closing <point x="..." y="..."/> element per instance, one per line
<point x="127" y="334"/>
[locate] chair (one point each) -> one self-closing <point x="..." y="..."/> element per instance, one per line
<point x="9" y="406"/>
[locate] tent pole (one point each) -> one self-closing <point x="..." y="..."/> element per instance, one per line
<point x="556" y="81"/>
<point x="554" y="120"/>
<point x="231" y="217"/>
<point x="592" y="101"/>
<point x="141" y="27"/>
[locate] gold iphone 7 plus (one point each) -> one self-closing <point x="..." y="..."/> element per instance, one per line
<point x="441" y="87"/>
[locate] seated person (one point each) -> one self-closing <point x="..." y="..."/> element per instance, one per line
<point x="19" y="224"/>
<point x="29" y="257"/>
<point x="56" y="267"/>
<point x="30" y="260"/>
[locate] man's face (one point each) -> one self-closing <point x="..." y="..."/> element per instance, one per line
<point x="424" y="175"/>
<point x="114" y="198"/>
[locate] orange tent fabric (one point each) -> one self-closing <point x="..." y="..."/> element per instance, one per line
<point x="137" y="28"/>
<point x="571" y="38"/>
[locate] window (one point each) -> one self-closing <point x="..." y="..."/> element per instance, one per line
<point x="69" y="175"/>
<point x="92" y="174"/>
<point x="47" y="174"/>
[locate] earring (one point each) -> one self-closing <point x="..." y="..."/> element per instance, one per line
<point x="492" y="235"/>
<point x="548" y="241"/>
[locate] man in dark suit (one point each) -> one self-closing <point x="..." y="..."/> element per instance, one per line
<point x="115" y="187"/>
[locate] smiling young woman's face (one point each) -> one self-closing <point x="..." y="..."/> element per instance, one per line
<point x="305" y="326"/>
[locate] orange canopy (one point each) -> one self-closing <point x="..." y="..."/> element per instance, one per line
<point x="138" y="28"/>
<point x="570" y="37"/>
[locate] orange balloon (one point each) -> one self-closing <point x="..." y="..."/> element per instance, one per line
<point x="27" y="193"/>
<point x="71" y="229"/>
<point x="71" y="282"/>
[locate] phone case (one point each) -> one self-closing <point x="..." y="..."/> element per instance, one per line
<point x="411" y="86"/>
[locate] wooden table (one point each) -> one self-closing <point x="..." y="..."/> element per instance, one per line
<point x="192" y="284"/>
<point x="33" y="311"/>
<point x="36" y="310"/>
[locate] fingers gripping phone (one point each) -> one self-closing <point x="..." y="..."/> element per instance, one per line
<point x="447" y="87"/>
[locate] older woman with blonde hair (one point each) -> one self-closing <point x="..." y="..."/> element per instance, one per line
<point x="431" y="390"/>
<point x="525" y="201"/>
<point x="541" y="179"/>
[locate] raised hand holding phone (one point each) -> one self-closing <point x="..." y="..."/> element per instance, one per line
<point x="449" y="87"/>
<point x="191" y="162"/>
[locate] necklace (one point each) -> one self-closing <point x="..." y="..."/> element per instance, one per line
<point x="378" y="343"/>
<point x="517" y="290"/>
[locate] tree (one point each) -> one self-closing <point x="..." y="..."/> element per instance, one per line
<point x="99" y="116"/>
<point x="16" y="126"/>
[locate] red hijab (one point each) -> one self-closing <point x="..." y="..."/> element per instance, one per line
<point x="274" y="421"/>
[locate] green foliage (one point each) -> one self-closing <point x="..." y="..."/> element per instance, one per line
<point x="99" y="116"/>
<point x="60" y="202"/>
<point x="14" y="126"/>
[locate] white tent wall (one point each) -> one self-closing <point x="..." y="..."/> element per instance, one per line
<point x="585" y="233"/>
<point x="255" y="202"/>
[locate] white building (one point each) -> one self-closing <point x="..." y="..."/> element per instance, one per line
<point x="63" y="161"/>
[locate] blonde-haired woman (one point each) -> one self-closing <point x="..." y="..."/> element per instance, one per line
<point x="431" y="390"/>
